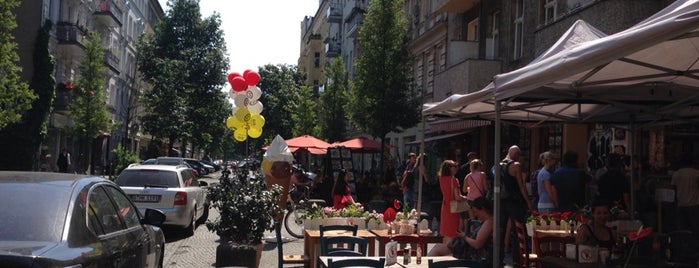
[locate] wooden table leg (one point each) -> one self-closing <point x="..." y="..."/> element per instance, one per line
<point x="371" y="248"/>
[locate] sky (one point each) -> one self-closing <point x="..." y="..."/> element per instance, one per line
<point x="259" y="32"/>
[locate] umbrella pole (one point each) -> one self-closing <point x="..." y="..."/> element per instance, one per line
<point x="497" y="212"/>
<point x="421" y="167"/>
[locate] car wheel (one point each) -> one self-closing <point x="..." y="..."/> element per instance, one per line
<point x="204" y="215"/>
<point x="189" y="230"/>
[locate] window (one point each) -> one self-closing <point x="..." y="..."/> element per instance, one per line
<point x="442" y="57"/>
<point x="472" y="33"/>
<point x="127" y="211"/>
<point x="547" y="11"/>
<point x="519" y="29"/>
<point x="316" y="59"/>
<point x="495" y="48"/>
<point x="102" y="212"/>
<point x="430" y="72"/>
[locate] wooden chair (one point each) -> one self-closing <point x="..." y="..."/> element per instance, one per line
<point x="358" y="262"/>
<point x="412" y="240"/>
<point x="298" y="260"/>
<point x="343" y="246"/>
<point x="525" y="259"/>
<point x="327" y="228"/>
<point x="456" y="263"/>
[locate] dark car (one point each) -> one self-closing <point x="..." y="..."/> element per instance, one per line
<point x="68" y="220"/>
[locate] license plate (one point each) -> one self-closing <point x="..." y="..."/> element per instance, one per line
<point x="145" y="198"/>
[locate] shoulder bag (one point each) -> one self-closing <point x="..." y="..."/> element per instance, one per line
<point x="457" y="206"/>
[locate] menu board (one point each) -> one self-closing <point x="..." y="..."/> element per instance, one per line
<point x="340" y="158"/>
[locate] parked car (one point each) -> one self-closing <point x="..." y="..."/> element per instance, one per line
<point x="217" y="167"/>
<point x="197" y="165"/>
<point x="175" y="190"/>
<point x="68" y="220"/>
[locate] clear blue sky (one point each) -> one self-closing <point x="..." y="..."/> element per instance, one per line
<point x="259" y="32"/>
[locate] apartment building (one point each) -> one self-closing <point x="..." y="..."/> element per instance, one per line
<point x="119" y="23"/>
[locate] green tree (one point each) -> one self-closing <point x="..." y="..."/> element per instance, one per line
<point x="87" y="108"/>
<point x="383" y="96"/>
<point x="23" y="138"/>
<point x="280" y="85"/>
<point x="332" y="100"/>
<point x="15" y="96"/>
<point x="185" y="59"/>
<point x="305" y="115"/>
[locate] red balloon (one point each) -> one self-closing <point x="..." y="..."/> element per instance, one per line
<point x="238" y="84"/>
<point x="252" y="78"/>
<point x="231" y="76"/>
<point x="245" y="73"/>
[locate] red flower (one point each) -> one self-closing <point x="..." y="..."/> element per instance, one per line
<point x="535" y="213"/>
<point x="389" y="215"/>
<point x="556" y="215"/>
<point x="641" y="233"/>
<point x="396" y="204"/>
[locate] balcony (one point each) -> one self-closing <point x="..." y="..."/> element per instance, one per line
<point x="108" y="13"/>
<point x="455" y="6"/>
<point x="111" y="60"/>
<point x="334" y="14"/>
<point x="332" y="49"/>
<point x="71" y="35"/>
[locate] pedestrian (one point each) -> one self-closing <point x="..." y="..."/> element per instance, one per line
<point x="547" y="193"/>
<point x="63" y="161"/>
<point x="475" y="185"/>
<point x="613" y="185"/>
<point x="686" y="182"/>
<point x="514" y="196"/>
<point x="570" y="182"/>
<point x="449" y="222"/>
<point x="407" y="181"/>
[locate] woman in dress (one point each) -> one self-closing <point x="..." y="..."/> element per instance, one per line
<point x="342" y="194"/>
<point x="475" y="183"/>
<point x="448" y="221"/>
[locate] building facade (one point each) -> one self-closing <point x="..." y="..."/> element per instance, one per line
<point x="119" y="24"/>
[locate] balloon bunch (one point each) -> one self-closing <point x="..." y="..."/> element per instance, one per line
<point x="246" y="119"/>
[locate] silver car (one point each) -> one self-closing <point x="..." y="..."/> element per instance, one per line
<point x="174" y="190"/>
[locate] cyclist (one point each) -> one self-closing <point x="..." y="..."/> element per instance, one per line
<point x="300" y="183"/>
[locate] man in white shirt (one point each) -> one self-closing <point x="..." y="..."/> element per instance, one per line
<point x="686" y="182"/>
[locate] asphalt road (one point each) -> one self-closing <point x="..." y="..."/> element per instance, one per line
<point x="199" y="250"/>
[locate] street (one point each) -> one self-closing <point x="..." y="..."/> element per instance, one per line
<point x="199" y="250"/>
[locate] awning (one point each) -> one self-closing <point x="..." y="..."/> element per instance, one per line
<point x="439" y="137"/>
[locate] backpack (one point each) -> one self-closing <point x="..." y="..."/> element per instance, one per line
<point x="504" y="191"/>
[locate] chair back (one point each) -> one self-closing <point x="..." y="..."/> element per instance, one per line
<point x="551" y="245"/>
<point x="456" y="263"/>
<point x="343" y="246"/>
<point x="357" y="262"/>
<point x="327" y="228"/>
<point x="522" y="252"/>
<point x="403" y="240"/>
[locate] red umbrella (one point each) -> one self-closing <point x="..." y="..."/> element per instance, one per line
<point x="361" y="144"/>
<point x="306" y="142"/>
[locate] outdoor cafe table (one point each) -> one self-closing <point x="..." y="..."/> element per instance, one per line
<point x="398" y="264"/>
<point x="311" y="241"/>
<point x="428" y="237"/>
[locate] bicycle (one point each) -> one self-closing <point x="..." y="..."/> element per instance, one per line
<point x="297" y="207"/>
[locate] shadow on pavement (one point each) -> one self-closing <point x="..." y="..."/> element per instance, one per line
<point x="174" y="234"/>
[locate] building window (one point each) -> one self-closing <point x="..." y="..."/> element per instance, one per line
<point x="472" y="32"/>
<point x="316" y="86"/>
<point x="519" y="29"/>
<point x="494" y="49"/>
<point x="418" y="73"/>
<point x="547" y="11"/>
<point x="429" y="56"/>
<point x="316" y="59"/>
<point x="442" y="57"/>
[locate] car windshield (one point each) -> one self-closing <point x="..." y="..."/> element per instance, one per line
<point x="32" y="211"/>
<point x="148" y="177"/>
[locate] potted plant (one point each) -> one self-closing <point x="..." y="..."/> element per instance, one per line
<point x="246" y="210"/>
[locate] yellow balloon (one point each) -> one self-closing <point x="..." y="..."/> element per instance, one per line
<point x="243" y="114"/>
<point x="257" y="121"/>
<point x="230" y="122"/>
<point x="266" y="165"/>
<point x="237" y="124"/>
<point x="254" y="132"/>
<point x="240" y="134"/>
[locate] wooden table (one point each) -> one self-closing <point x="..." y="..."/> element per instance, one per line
<point x="312" y="240"/>
<point x="555" y="262"/>
<point x="428" y="237"/>
<point x="398" y="264"/>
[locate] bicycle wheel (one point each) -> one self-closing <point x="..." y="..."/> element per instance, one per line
<point x="293" y="222"/>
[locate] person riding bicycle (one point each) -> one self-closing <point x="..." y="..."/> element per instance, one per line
<point x="300" y="182"/>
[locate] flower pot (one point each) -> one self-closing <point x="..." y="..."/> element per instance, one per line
<point x="233" y="254"/>
<point x="335" y="221"/>
<point x="312" y="224"/>
<point x="530" y="229"/>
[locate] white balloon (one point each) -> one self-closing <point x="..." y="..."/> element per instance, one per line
<point x="240" y="100"/>
<point x="256" y="92"/>
<point x="232" y="94"/>
<point x="255" y="108"/>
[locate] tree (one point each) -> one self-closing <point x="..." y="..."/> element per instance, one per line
<point x="23" y="138"/>
<point x="88" y="109"/>
<point x="15" y="96"/>
<point x="332" y="100"/>
<point x="280" y="84"/>
<point x="305" y="116"/>
<point x="383" y="96"/>
<point x="184" y="59"/>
